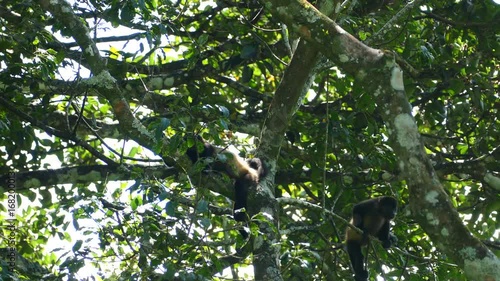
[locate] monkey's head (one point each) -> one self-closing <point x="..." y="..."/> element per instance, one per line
<point x="388" y="207"/>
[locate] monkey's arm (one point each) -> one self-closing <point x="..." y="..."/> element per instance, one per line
<point x="385" y="236"/>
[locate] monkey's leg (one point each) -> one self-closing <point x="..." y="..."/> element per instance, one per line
<point x="357" y="260"/>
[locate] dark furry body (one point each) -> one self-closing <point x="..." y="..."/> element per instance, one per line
<point x="373" y="216"/>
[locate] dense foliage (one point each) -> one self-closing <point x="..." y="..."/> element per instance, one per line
<point x="126" y="210"/>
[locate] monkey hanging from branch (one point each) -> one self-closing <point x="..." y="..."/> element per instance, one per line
<point x="246" y="173"/>
<point x="373" y="217"/>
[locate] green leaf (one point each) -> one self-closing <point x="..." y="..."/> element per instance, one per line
<point x="202" y="206"/>
<point x="135" y="203"/>
<point x="160" y="127"/>
<point x="249" y="51"/>
<point x="205" y="223"/>
<point x="133" y="151"/>
<point x="462" y="148"/>
<point x="77" y="246"/>
<point x="247" y="74"/>
<point x="135" y="186"/>
<point x="223" y="110"/>
<point x="46" y="142"/>
<point x="31" y="195"/>
<point x="76" y="225"/>
<point x="170" y="208"/>
<point x="127" y="13"/>
<point x="46" y="197"/>
<point x="203" y="39"/>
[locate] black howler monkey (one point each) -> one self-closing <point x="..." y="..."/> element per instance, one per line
<point x="373" y="217"/>
<point x="247" y="173"/>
